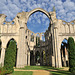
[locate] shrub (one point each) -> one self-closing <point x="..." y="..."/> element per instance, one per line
<point x="71" y="47"/>
<point x="2" y="70"/>
<point x="10" y="57"/>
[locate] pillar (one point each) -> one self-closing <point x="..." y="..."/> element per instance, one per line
<point x="22" y="49"/>
<point x="2" y="56"/>
<point x="65" y="57"/>
<point x="26" y="47"/>
<point x="34" y="57"/>
<point x="53" y="47"/>
<point x="35" y="39"/>
<point x="28" y="58"/>
<point x="57" y="53"/>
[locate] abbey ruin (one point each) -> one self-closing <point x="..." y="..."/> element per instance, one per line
<point x="27" y="49"/>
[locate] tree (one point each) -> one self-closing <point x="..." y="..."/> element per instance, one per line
<point x="10" y="56"/>
<point x="71" y="47"/>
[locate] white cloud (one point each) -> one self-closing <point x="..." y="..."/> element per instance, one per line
<point x="39" y="21"/>
<point x="44" y="16"/>
<point x="64" y="10"/>
<point x="47" y="23"/>
<point x="68" y="5"/>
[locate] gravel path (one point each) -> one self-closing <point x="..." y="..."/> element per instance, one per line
<point x="36" y="72"/>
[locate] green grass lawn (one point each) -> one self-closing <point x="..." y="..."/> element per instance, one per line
<point x="61" y="73"/>
<point x="22" y="73"/>
<point x="58" y="72"/>
<point x="39" y="68"/>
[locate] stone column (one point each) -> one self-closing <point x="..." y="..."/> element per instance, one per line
<point x="34" y="58"/>
<point x="2" y="56"/>
<point x="65" y="57"/>
<point x="53" y="47"/>
<point x="26" y="48"/>
<point x="28" y="58"/>
<point x="57" y="52"/>
<point x="29" y="38"/>
<point x="55" y="43"/>
<point x="22" y="52"/>
<point x="35" y="39"/>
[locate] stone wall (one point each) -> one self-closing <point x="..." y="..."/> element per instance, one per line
<point x="17" y="29"/>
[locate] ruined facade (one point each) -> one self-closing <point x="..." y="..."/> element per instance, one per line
<point x="17" y="29"/>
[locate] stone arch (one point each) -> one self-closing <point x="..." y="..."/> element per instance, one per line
<point x="32" y="37"/>
<point x="10" y="39"/>
<point x="64" y="52"/>
<point x="43" y="37"/>
<point x="16" y="49"/>
<point x="39" y="9"/>
<point x="37" y="57"/>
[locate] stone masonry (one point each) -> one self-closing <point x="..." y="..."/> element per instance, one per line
<point x="54" y="35"/>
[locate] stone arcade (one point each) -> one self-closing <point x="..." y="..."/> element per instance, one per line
<point x="57" y="31"/>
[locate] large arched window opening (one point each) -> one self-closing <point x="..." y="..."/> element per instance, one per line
<point x="43" y="37"/>
<point x="11" y="52"/>
<point x="64" y="52"/>
<point x="32" y="37"/>
<point x="0" y="48"/>
<point x="38" y="22"/>
<point x="37" y="40"/>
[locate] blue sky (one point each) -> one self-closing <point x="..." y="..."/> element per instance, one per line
<point x="38" y="22"/>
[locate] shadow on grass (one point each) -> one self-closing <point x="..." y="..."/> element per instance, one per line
<point x="61" y="73"/>
<point x="48" y="68"/>
<point x="39" y="68"/>
<point x="52" y="70"/>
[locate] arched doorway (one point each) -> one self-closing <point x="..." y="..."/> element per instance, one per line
<point x="37" y="58"/>
<point x="31" y="58"/>
<point x="43" y="58"/>
<point x="11" y="52"/>
<point x="64" y="52"/>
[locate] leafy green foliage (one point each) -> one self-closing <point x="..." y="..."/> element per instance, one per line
<point x="10" y="56"/>
<point x="44" y="57"/>
<point x="71" y="47"/>
<point x="2" y="71"/>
